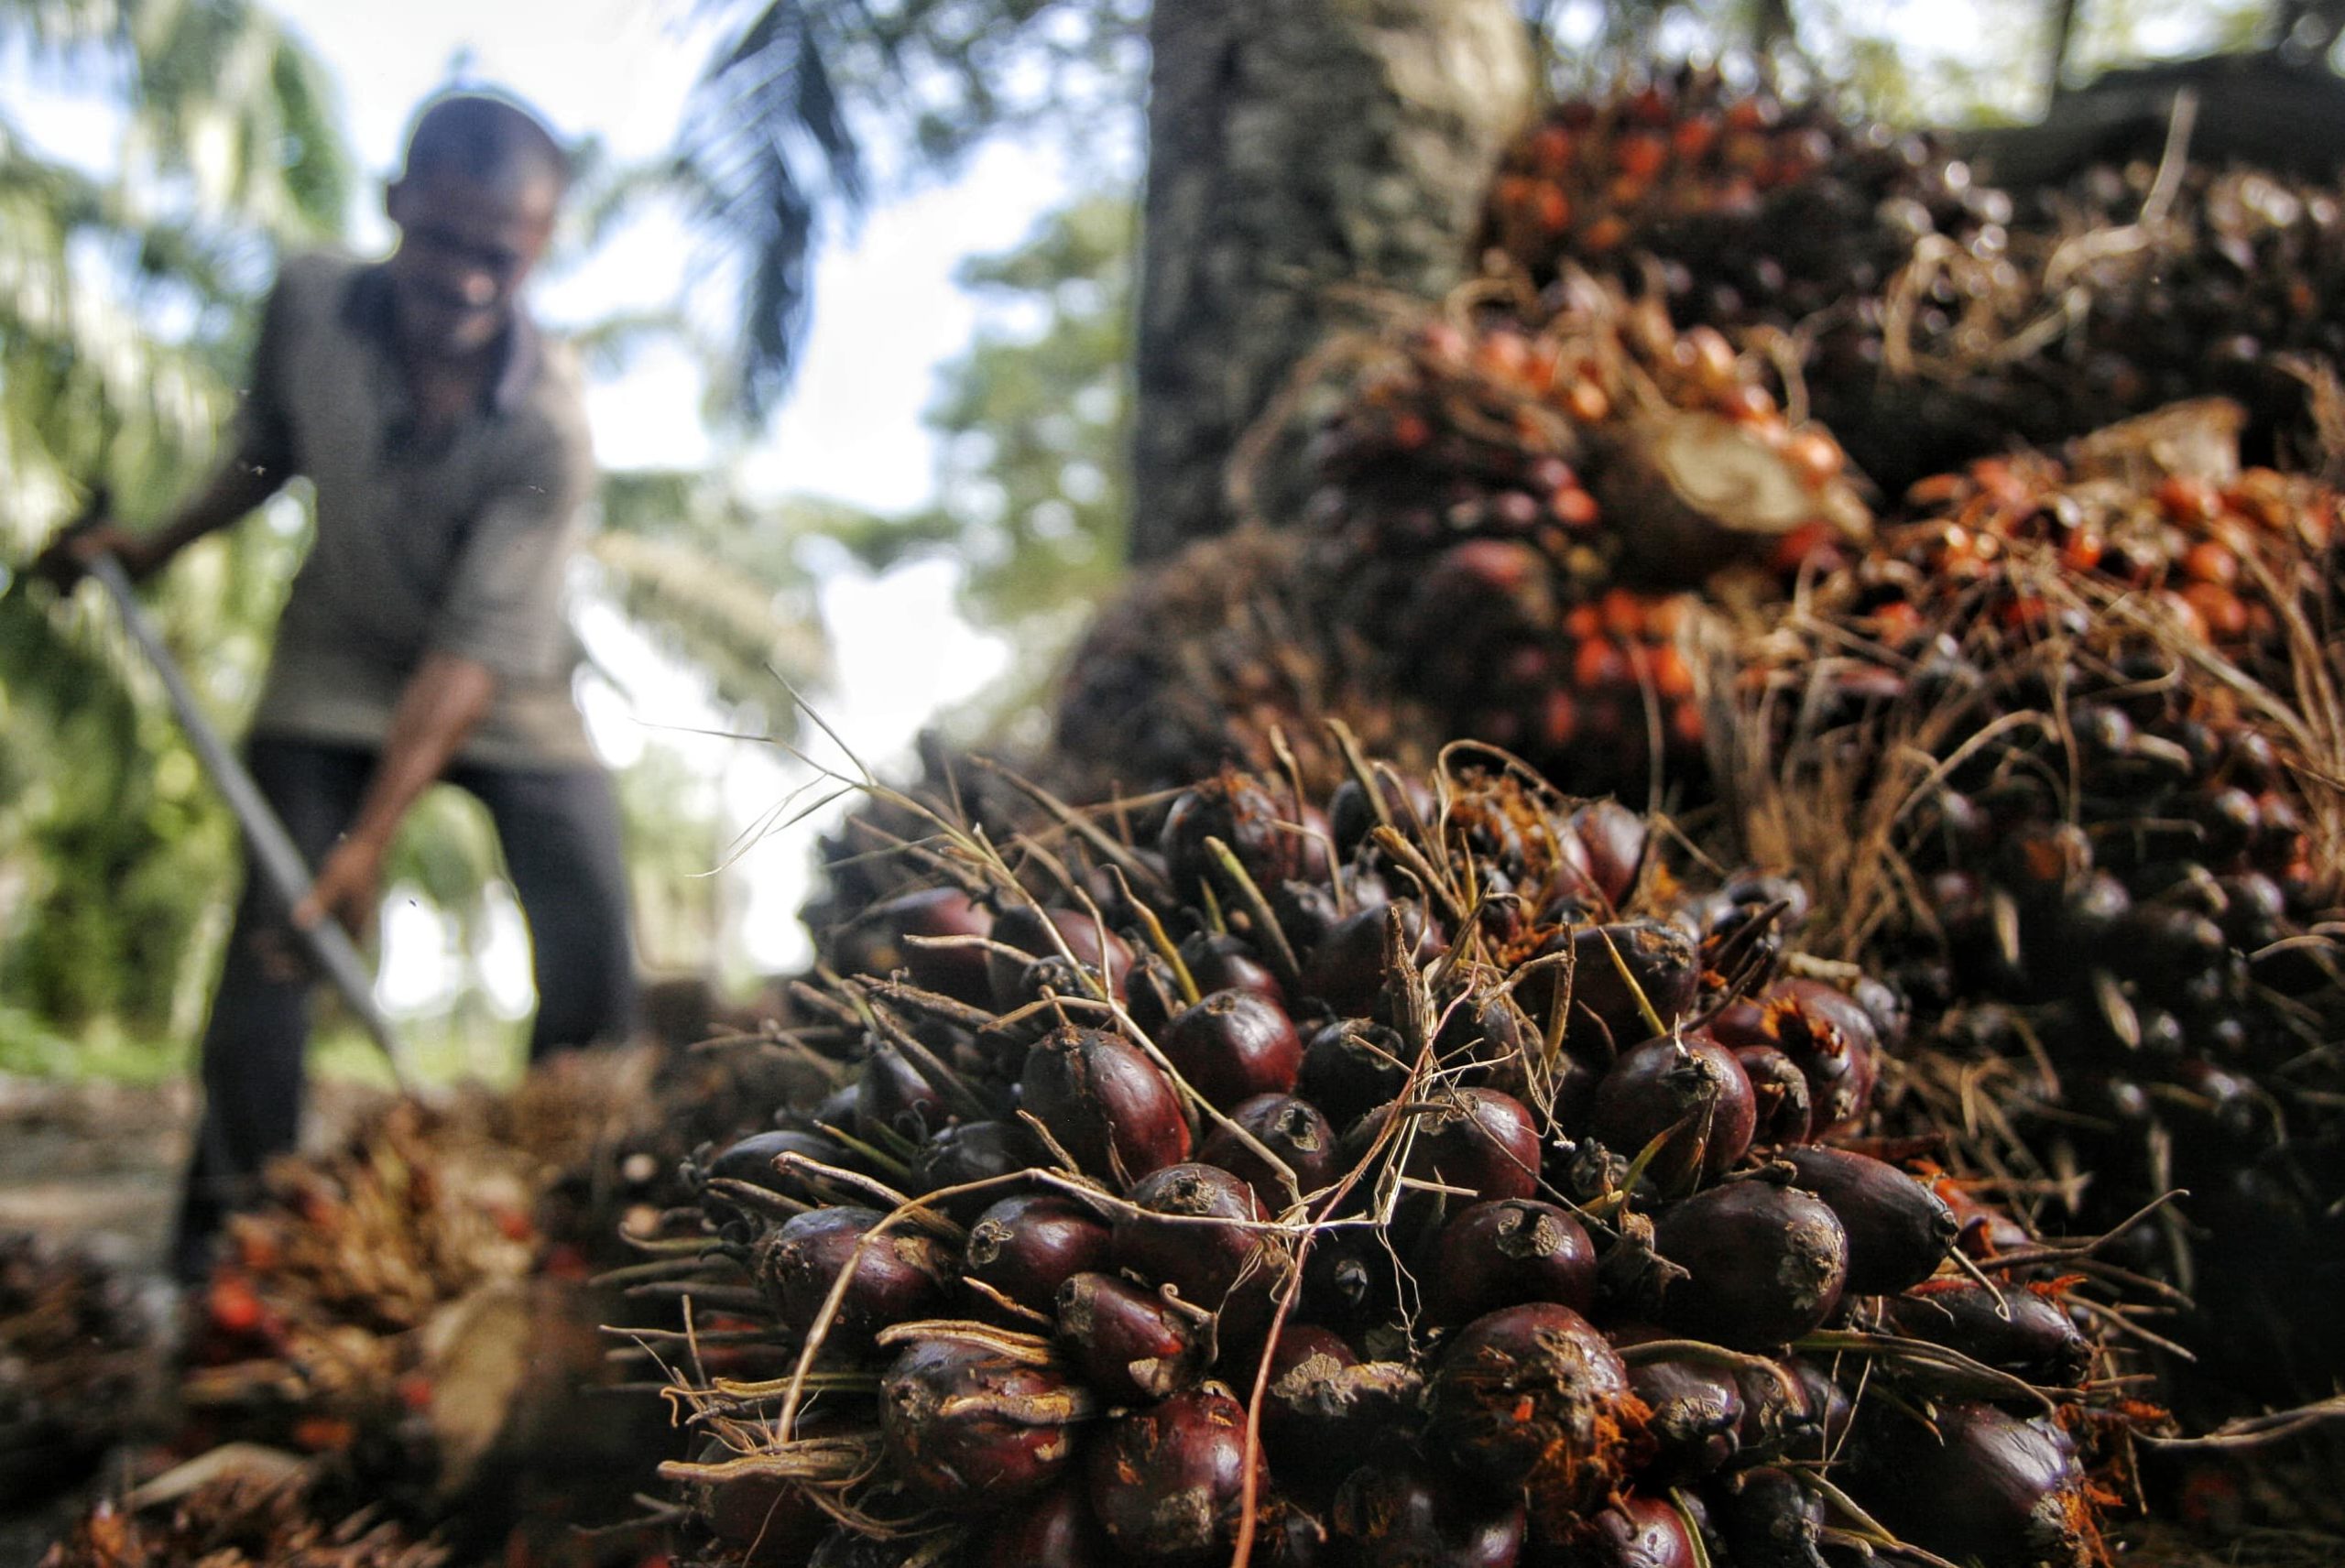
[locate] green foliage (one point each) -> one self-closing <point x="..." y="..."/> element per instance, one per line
<point x="712" y="578"/>
<point x="775" y="143"/>
<point x="123" y="304"/>
<point x="1035" y="417"/>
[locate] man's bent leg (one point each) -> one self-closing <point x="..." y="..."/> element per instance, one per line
<point x="252" y="1046"/>
<point x="561" y="835"/>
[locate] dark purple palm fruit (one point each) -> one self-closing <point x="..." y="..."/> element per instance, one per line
<point x="1623" y="980"/>
<point x="1351" y="1277"/>
<point x="1533" y="1397"/>
<point x="1975" y="1486"/>
<point x="1477" y="1139"/>
<point x="754" y="1160"/>
<point x="1811" y="1424"/>
<point x="1352" y="816"/>
<point x="1346" y="969"/>
<point x="1132" y="1344"/>
<point x="765" y="1521"/>
<point x="1779" y="1095"/>
<point x="1634" y="1533"/>
<point x="891" y="1094"/>
<point x="1614" y="838"/>
<point x="1233" y="1045"/>
<point x="1899" y="1231"/>
<point x="1058" y="1531"/>
<point x="966" y="1153"/>
<point x="1196" y="1228"/>
<point x="846" y="1547"/>
<point x="1697" y="1414"/>
<point x="1504" y="1253"/>
<point x="900" y="1274"/>
<point x="1351" y="1066"/>
<point x="1025" y="1248"/>
<point x="1256" y="826"/>
<point x="945" y="917"/>
<point x="970" y="1428"/>
<point x="1772" y="1518"/>
<point x="2013" y="1328"/>
<point x="1399" y="1511"/>
<point x="1692" y="1085"/>
<point x="1104" y="1102"/>
<point x="1290" y="1129"/>
<point x="1169" y="1481"/>
<point x="1039" y="934"/>
<point x="1831" y="1038"/>
<point x="1227" y="962"/>
<point x="1765" y="1264"/>
<point x="1325" y="1407"/>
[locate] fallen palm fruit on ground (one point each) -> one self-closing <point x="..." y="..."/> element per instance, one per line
<point x="1365" y="1178"/>
<point x="238" y="1523"/>
<point x="74" y="1352"/>
<point x="412" y="1310"/>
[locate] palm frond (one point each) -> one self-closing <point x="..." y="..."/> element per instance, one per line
<point x="765" y="141"/>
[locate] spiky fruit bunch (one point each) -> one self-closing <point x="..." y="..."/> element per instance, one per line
<point x="1935" y="319"/>
<point x="1757" y="211"/>
<point x="71" y="1341"/>
<point x="1506" y="514"/>
<point x="390" y="1310"/>
<point x="2165" y="283"/>
<point x="1378" y="1173"/>
<point x="1220" y="656"/>
<point x="2072" y="746"/>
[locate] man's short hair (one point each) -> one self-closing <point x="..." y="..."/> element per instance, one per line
<point x="483" y="137"/>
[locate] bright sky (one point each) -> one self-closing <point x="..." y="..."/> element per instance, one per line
<point x="886" y="314"/>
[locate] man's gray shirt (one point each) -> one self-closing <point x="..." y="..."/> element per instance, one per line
<point x="454" y="545"/>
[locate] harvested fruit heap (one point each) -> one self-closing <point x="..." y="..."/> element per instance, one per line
<point x="2064" y="757"/>
<point x="1432" y="1179"/>
<point x="1933" y="319"/>
<point x="397" y="1309"/>
<point x="1224" y="654"/>
<point x="1507" y="529"/>
<point x="72" y="1342"/>
<point x="237" y="1524"/>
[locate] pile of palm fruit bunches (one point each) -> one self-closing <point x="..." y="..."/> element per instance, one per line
<point x="1432" y="1172"/>
<point x="413" y="1321"/>
<point x="74" y="1352"/>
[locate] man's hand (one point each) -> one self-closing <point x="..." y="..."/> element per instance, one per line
<point x="69" y="555"/>
<point x="349" y="887"/>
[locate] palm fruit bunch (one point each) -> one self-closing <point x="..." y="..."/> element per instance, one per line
<point x="2064" y="757"/>
<point x="1223" y="654"/>
<point x="1784" y="224"/>
<point x="2183" y="281"/>
<point x="1427" y="1176"/>
<point x="237" y="1522"/>
<point x="1932" y="318"/>
<point x="75" y="1347"/>
<point x="393" y="1311"/>
<point x="1510" y="518"/>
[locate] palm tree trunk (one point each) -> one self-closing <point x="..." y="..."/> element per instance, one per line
<point x="1296" y="146"/>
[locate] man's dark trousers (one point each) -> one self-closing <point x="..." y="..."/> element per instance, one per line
<point x="559" y="834"/>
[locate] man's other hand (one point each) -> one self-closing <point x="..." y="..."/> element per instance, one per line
<point x="349" y="888"/>
<point x="71" y="555"/>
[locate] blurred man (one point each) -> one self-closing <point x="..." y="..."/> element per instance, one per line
<point x="424" y="638"/>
